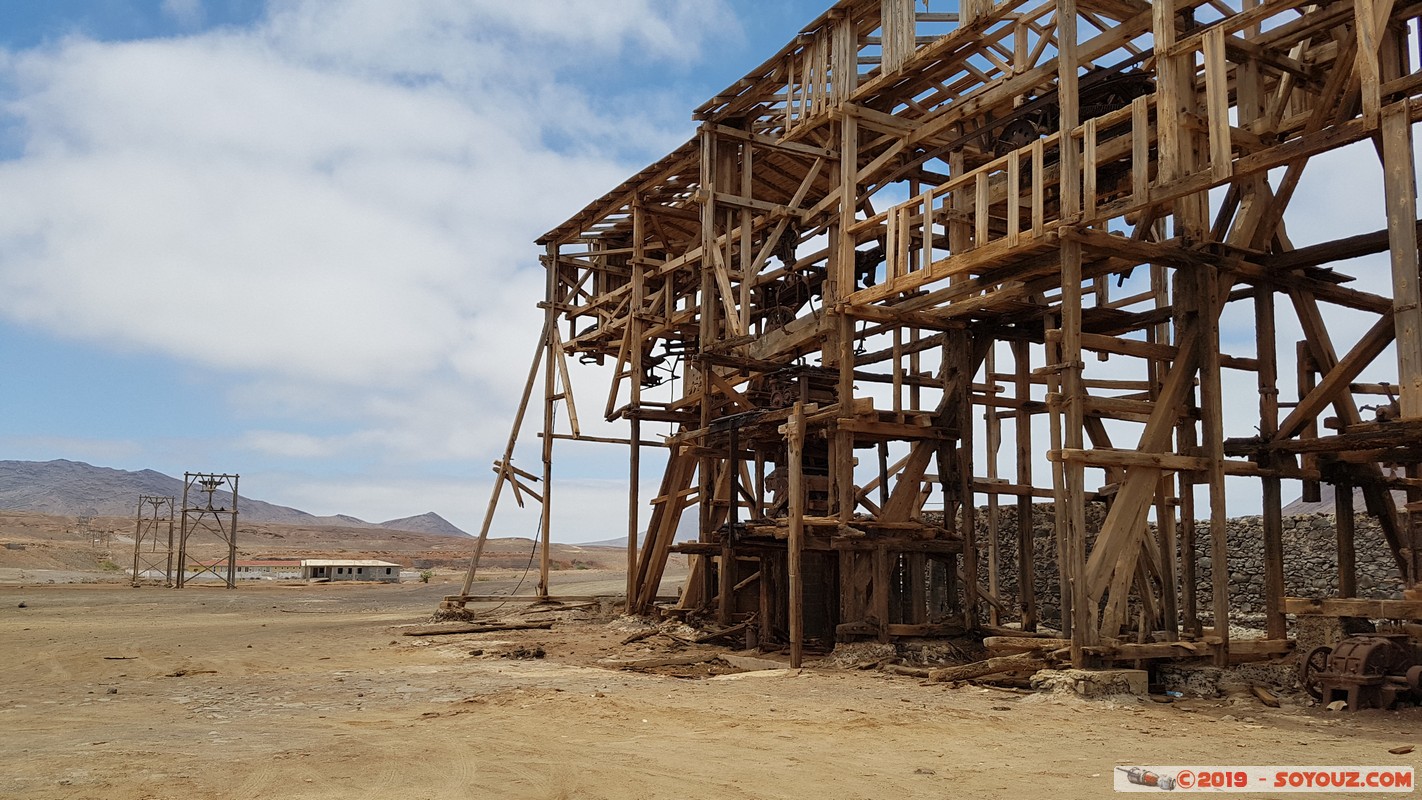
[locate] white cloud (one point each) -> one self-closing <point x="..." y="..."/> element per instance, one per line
<point x="336" y="207"/>
<point x="187" y="13"/>
<point x="433" y="37"/>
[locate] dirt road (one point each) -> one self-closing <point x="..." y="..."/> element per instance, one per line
<point x="311" y="692"/>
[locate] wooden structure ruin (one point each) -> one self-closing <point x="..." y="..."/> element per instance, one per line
<point x="908" y="235"/>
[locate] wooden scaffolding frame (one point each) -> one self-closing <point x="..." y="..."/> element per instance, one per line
<point x="905" y="223"/>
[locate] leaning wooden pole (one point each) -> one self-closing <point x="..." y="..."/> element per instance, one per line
<point x="506" y="464"/>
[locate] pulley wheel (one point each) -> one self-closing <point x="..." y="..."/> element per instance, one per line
<point x="1317" y="662"/>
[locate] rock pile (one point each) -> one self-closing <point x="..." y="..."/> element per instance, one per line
<point x="1310" y="559"/>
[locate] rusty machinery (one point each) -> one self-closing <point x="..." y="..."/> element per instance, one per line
<point x="1371" y="671"/>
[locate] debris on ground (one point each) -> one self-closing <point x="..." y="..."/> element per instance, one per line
<point x="484" y="627"/>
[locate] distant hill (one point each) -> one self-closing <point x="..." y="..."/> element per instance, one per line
<point x="73" y="488"/>
<point x="428" y="522"/>
<point x="686" y="531"/>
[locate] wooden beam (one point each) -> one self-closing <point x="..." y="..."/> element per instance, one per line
<point x="1399" y="183"/>
<point x="1339" y="378"/>
<point x="794" y="445"/>
<point x="1354" y="607"/>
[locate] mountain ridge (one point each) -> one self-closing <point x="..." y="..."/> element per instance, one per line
<point x="74" y="488"/>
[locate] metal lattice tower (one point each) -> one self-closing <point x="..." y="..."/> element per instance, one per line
<point x="152" y="549"/>
<point x="205" y="515"/>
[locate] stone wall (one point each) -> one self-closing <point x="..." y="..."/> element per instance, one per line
<point x="1310" y="560"/>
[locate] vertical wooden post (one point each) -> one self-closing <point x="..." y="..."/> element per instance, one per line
<point x="708" y="332"/>
<point x="1187" y="438"/>
<point x="550" y="387"/>
<point x="1054" y="429"/>
<point x="994" y="446"/>
<point x="840" y="284"/>
<point x="634" y="339"/>
<point x="1217" y="105"/>
<point x="1212" y="441"/>
<point x="1026" y="552"/>
<point x="1305" y="381"/>
<point x="963" y="467"/>
<point x="883" y="572"/>
<point x="1366" y="59"/>
<point x="1273" y="520"/>
<point x="1072" y="500"/>
<point x="794" y="446"/>
<point x="1399" y="183"/>
<point x="1347" y="560"/>
<point x="1169" y="568"/>
<point x="634" y="465"/>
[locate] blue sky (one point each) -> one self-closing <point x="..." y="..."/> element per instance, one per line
<point x="293" y="239"/>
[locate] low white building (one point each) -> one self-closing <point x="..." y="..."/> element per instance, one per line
<point x="350" y="569"/>
<point x="247" y="570"/>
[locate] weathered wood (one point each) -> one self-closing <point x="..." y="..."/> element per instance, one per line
<point x="506" y="463"/>
<point x="1354" y="607"/>
<point x="652" y="662"/>
<point x="794" y="444"/>
<point x="1272" y="521"/>
<point x="481" y="628"/>
<point x="755" y="255"/>
<point x="1023" y="644"/>
<point x="1399" y="182"/>
<point x="1022" y="662"/>
<point x="1347" y="559"/>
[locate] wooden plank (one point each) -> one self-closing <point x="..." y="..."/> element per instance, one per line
<point x="651" y="662"/>
<point x="1140" y="149"/>
<point x="1366" y="60"/>
<point x="1089" y="167"/>
<point x="482" y="628"/>
<point x="1354" y="607"/>
<point x="982" y="208"/>
<point x="1217" y="105"/>
<point x="1131" y="458"/>
<point x="1014" y="200"/>
<point x="1022" y="662"/>
<point x="1401" y="194"/>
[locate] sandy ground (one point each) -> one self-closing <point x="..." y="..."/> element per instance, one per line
<point x="312" y="692"/>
